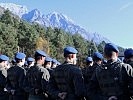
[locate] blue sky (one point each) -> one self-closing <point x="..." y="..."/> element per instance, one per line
<point x="111" y="18"/>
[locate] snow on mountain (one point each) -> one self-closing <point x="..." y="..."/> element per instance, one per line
<point x="62" y="21"/>
<point x="99" y="38"/>
<point x="15" y="9"/>
<point x="53" y="20"/>
<point x="32" y="15"/>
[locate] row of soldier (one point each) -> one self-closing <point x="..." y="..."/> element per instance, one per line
<point x="98" y="80"/>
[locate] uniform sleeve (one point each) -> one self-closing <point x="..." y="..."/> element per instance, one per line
<point x="52" y="87"/>
<point x="78" y="83"/>
<point x="2" y="80"/>
<point x="46" y="74"/>
<point x="26" y="85"/>
<point x="93" y="87"/>
<point x="129" y="76"/>
<point x="22" y="75"/>
<point x="8" y="84"/>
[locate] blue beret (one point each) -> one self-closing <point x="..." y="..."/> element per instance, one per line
<point x="54" y="61"/>
<point x="70" y="50"/>
<point x="128" y="53"/>
<point x="4" y="57"/>
<point x="25" y="63"/>
<point x="41" y="53"/>
<point x="48" y="59"/>
<point x="58" y="63"/>
<point x="98" y="55"/>
<point x="30" y="59"/>
<point x="20" y="55"/>
<point x="89" y="59"/>
<point x="111" y="47"/>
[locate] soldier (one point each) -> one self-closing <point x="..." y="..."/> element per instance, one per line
<point x="30" y="62"/>
<point x="88" y="71"/>
<point x="114" y="79"/>
<point x="54" y="64"/>
<point x="66" y="81"/>
<point x="97" y="57"/>
<point x="37" y="78"/>
<point x="3" y="76"/>
<point x="15" y="77"/>
<point x="128" y="54"/>
<point x="48" y="64"/>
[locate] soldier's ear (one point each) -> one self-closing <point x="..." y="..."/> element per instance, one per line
<point x="72" y="55"/>
<point x="117" y="54"/>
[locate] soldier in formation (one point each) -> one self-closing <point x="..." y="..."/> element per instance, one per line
<point x="45" y="78"/>
<point x="37" y="78"/>
<point x="15" y="77"/>
<point x="3" y="75"/>
<point x="114" y="80"/>
<point x="66" y="82"/>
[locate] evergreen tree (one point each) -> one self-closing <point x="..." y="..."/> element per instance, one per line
<point x="8" y="40"/>
<point x="7" y="18"/>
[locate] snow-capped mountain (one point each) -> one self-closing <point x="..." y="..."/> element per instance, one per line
<point x="53" y="20"/>
<point x="32" y="15"/>
<point x="15" y="9"/>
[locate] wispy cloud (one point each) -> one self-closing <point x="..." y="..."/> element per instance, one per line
<point x="126" y="6"/>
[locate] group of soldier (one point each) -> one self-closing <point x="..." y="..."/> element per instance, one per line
<point x="44" y="78"/>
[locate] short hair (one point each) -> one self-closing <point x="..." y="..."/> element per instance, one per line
<point x="67" y="55"/>
<point x="89" y="62"/>
<point x="108" y="53"/>
<point x="96" y="59"/>
<point x="38" y="57"/>
<point x="18" y="60"/>
<point x="1" y="60"/>
<point x="29" y="62"/>
<point x="46" y="62"/>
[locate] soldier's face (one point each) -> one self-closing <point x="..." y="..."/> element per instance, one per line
<point x="43" y="60"/>
<point x="49" y="65"/>
<point x="5" y="64"/>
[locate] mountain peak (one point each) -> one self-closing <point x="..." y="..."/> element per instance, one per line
<point x="54" y="19"/>
<point x="32" y="15"/>
<point x="16" y="9"/>
<point x="57" y="15"/>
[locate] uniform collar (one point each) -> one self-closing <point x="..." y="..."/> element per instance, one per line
<point x="37" y="64"/>
<point x="67" y="62"/>
<point x="19" y="65"/>
<point x="111" y="61"/>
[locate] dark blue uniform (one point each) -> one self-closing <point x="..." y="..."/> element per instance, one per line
<point x="87" y="73"/>
<point x="67" y="78"/>
<point x="112" y="79"/>
<point x="3" y="75"/>
<point x="36" y="81"/>
<point x="15" y="78"/>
